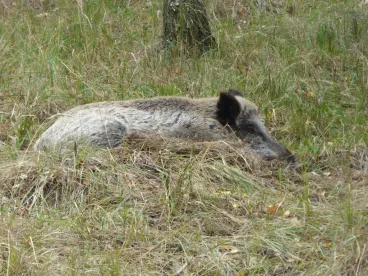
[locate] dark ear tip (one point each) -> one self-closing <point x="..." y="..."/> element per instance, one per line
<point x="225" y="96"/>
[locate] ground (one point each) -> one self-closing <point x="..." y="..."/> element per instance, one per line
<point x="157" y="206"/>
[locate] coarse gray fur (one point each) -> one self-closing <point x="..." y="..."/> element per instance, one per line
<point x="106" y="124"/>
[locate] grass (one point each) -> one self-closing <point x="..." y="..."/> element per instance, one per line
<point x="174" y="207"/>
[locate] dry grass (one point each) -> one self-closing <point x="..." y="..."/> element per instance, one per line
<point x="160" y="207"/>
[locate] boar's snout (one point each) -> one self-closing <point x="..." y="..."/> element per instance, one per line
<point x="262" y="142"/>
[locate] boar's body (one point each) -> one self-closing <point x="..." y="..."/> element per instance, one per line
<point x="106" y="124"/>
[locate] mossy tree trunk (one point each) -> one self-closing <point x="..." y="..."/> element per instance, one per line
<point x="185" y="23"/>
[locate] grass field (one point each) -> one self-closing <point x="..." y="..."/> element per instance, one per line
<point x="174" y="207"/>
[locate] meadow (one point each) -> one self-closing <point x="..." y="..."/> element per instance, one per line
<point x="161" y="207"/>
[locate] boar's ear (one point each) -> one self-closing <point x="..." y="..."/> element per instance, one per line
<point x="228" y="109"/>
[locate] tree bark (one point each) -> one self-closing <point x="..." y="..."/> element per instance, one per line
<point x="185" y="22"/>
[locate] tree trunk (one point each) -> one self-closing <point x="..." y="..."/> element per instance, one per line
<point x="185" y="23"/>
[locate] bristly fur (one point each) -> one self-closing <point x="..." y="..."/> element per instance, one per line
<point x="107" y="123"/>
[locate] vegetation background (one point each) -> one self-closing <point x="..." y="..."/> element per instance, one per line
<point x="161" y="207"/>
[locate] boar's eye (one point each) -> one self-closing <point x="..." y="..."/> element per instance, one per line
<point x="250" y="128"/>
